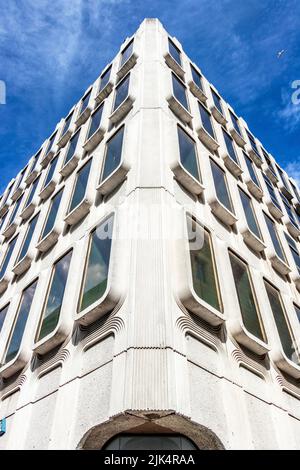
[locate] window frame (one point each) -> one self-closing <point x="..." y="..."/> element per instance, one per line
<point x="81" y="209"/>
<point x="227" y="216"/>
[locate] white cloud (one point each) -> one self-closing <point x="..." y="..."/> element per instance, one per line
<point x="293" y="170"/>
<point x="289" y="114"/>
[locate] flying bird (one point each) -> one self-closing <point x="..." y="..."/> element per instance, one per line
<point x="280" y="53"/>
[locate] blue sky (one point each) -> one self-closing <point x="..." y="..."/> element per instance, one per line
<point x="51" y="50"/>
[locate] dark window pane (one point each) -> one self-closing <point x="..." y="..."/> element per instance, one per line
<point x="297" y="310"/>
<point x="85" y="102"/>
<point x="271" y="192"/>
<point x="7" y="256"/>
<point x="80" y="185"/>
<point x="249" y="214"/>
<point x="72" y="146"/>
<point x="51" y="170"/>
<point x="235" y="122"/>
<point x="230" y="147"/>
<point x="294" y="250"/>
<point x="251" y="170"/>
<point x="179" y="92"/>
<point x="121" y="92"/>
<point x="217" y="101"/>
<point x="15" y="211"/>
<point x="250" y="314"/>
<point x="196" y="78"/>
<point x="51" y="217"/>
<point x="287" y="341"/>
<point x="275" y="239"/>
<point x="50" y="143"/>
<point x="95" y="121"/>
<point x="221" y="186"/>
<point x="67" y="124"/>
<point x="206" y="120"/>
<point x="203" y="268"/>
<point x="96" y="272"/>
<point x="174" y="51"/>
<point x="104" y="79"/>
<point x="20" y="323"/>
<point x="27" y="238"/>
<point x="3" y="313"/>
<point x="113" y="154"/>
<point x="126" y="53"/>
<point x="188" y="156"/>
<point x="32" y="191"/>
<point x="55" y="297"/>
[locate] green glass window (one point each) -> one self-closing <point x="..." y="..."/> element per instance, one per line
<point x="105" y="78"/>
<point x="55" y="295"/>
<point x="51" y="171"/>
<point x="179" y="91"/>
<point x="97" y="266"/>
<point x="52" y="213"/>
<point x="174" y="51"/>
<point x="284" y="330"/>
<point x="3" y="313"/>
<point x="20" y="323"/>
<point x="80" y="185"/>
<point x="32" y="191"/>
<point x="188" y="155"/>
<point x="95" y="121"/>
<point x="28" y="238"/>
<point x="126" y="53"/>
<point x="275" y="238"/>
<point x="7" y="256"/>
<point x="121" y="92"/>
<point x="203" y="267"/>
<point x="113" y="154"/>
<point x="72" y="146"/>
<point x="206" y="120"/>
<point x="249" y="214"/>
<point x="249" y="309"/>
<point x="221" y="186"/>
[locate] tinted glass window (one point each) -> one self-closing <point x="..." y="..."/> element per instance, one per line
<point x="206" y="120"/>
<point x="126" y="53"/>
<point x="179" y="92"/>
<point x="249" y="213"/>
<point x="217" y="101"/>
<point x="221" y="186"/>
<point x="230" y="147"/>
<point x="174" y="51"/>
<point x="3" y="313"/>
<point x="80" y="185"/>
<point x="72" y="146"/>
<point x="67" y="124"/>
<point x="7" y="257"/>
<point x="188" y="156"/>
<point x="32" y="191"/>
<point x="275" y="238"/>
<point x="85" y="102"/>
<point x="27" y="238"/>
<point x="95" y="121"/>
<point x="196" y="78"/>
<point x="104" y="79"/>
<point x="52" y="213"/>
<point x="121" y="92"/>
<point x="51" y="171"/>
<point x="113" y="154"/>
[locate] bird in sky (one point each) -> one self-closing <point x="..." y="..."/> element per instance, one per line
<point x="280" y="53"/>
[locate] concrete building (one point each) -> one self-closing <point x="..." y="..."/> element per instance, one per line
<point x="150" y="271"/>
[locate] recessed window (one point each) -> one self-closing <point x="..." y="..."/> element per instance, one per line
<point x="126" y="53"/>
<point x="5" y="196"/>
<point x="52" y="213"/>
<point x="253" y="144"/>
<point x="72" y="147"/>
<point x="50" y="144"/>
<point x="283" y="178"/>
<point x="275" y="238"/>
<point x="205" y="281"/>
<point x="294" y="250"/>
<point x="188" y="155"/>
<point x="51" y="171"/>
<point x="121" y="92"/>
<point x="206" y="120"/>
<point x="246" y="296"/>
<point x="32" y="192"/>
<point x="287" y="339"/>
<point x="35" y="161"/>
<point x="95" y="121"/>
<point x="67" y="123"/>
<point x="14" y="211"/>
<point x="297" y="310"/>
<point x="295" y="191"/>
<point x="221" y="187"/>
<point x="174" y="52"/>
<point x="289" y="210"/>
<point x="20" y="179"/>
<point x="197" y="79"/>
<point x="3" y="313"/>
<point x="271" y="192"/>
<point x="179" y="91"/>
<point x="97" y="266"/>
<point x="20" y="323"/>
<point x="80" y="185"/>
<point x="54" y="299"/>
<point x="27" y="238"/>
<point x="7" y="257"/>
<point x="268" y="161"/>
<point x="230" y="147"/>
<point x="217" y="101"/>
<point x="235" y="122"/>
<point x="84" y="102"/>
<point x="113" y="154"/>
<point x="104" y="79"/>
<point x="249" y="213"/>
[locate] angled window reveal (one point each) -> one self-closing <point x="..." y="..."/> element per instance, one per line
<point x="249" y="213"/>
<point x="113" y="154"/>
<point x="126" y="53"/>
<point x="275" y="238"/>
<point x="27" y="238"/>
<point x="52" y="213"/>
<point x="179" y="91"/>
<point x="7" y="257"/>
<point x="206" y="120"/>
<point x="80" y="185"/>
<point x="221" y="186"/>
<point x="95" y="121"/>
<point x="121" y="92"/>
<point x="51" y="171"/>
<point x="72" y="147"/>
<point x="104" y="79"/>
<point x="188" y="154"/>
<point x="174" y="52"/>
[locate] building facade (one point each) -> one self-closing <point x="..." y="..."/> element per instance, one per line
<point x="150" y="271"/>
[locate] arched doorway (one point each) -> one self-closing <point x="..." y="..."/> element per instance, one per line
<point x="150" y="442"/>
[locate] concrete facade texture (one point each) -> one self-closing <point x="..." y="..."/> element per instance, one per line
<point x="150" y="355"/>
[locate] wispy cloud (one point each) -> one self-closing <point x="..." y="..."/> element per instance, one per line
<point x="289" y="114"/>
<point x="293" y="170"/>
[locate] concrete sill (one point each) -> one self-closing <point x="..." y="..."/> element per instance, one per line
<point x="48" y="241"/>
<point x="17" y="192"/>
<point x="255" y="190"/>
<point x="113" y="180"/>
<point x="94" y="140"/>
<point x="71" y="164"/>
<point x="285" y="364"/>
<point x="293" y="229"/>
<point x="207" y="140"/>
<point x="285" y="191"/>
<point x="201" y="308"/>
<point x="237" y="137"/>
<point x="226" y="216"/>
<point x="179" y="110"/>
<point x="65" y="138"/>
<point x="232" y="166"/>
<point x="122" y="110"/>
<point x="186" y="179"/>
<point x="28" y="211"/>
<point x="48" y="190"/>
<point x="296" y="205"/>
<point x="47" y="158"/>
<point x="5" y="280"/>
<point x="4" y="208"/>
<point x="102" y="94"/>
<point x="31" y="177"/>
<point x="83" y="117"/>
<point x="127" y="66"/>
<point x="244" y="337"/>
<point x="296" y="279"/>
<point x="174" y="65"/>
<point x="10" y="230"/>
<point x="78" y="212"/>
<point x="197" y="92"/>
<point x="279" y="265"/>
<point x="256" y="158"/>
<point x="24" y="264"/>
<point x="218" y="116"/>
<point x="255" y="243"/>
<point x="270" y="174"/>
<point x="274" y="210"/>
